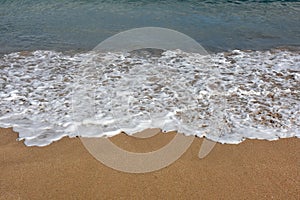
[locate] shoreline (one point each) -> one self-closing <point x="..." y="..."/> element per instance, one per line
<point x="65" y="169"/>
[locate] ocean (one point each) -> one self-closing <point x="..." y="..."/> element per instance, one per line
<point x="53" y="84"/>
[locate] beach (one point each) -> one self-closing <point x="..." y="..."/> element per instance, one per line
<point x="253" y="169"/>
<point x="226" y="71"/>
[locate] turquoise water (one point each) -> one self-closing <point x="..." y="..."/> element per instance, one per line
<point x="81" y="25"/>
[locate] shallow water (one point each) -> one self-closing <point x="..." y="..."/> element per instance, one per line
<point x="81" y="25"/>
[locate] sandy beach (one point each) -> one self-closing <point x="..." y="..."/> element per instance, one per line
<point x="65" y="170"/>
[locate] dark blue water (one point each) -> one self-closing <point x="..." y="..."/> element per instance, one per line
<point x="81" y="25"/>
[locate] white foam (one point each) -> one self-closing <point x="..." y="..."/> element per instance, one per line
<point x="227" y="97"/>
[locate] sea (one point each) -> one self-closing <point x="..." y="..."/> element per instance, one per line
<point x="54" y="83"/>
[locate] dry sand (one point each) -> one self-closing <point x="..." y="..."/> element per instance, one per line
<point x="65" y="170"/>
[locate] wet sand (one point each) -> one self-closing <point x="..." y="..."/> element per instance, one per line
<point x="253" y="169"/>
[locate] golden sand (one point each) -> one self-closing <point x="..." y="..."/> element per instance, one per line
<point x="65" y="170"/>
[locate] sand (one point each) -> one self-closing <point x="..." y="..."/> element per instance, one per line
<point x="253" y="169"/>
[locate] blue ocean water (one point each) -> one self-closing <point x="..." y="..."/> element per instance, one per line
<point x="82" y="24"/>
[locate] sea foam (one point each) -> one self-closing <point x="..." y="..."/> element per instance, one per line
<point x="226" y="97"/>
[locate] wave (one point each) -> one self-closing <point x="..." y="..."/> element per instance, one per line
<point x="226" y="97"/>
